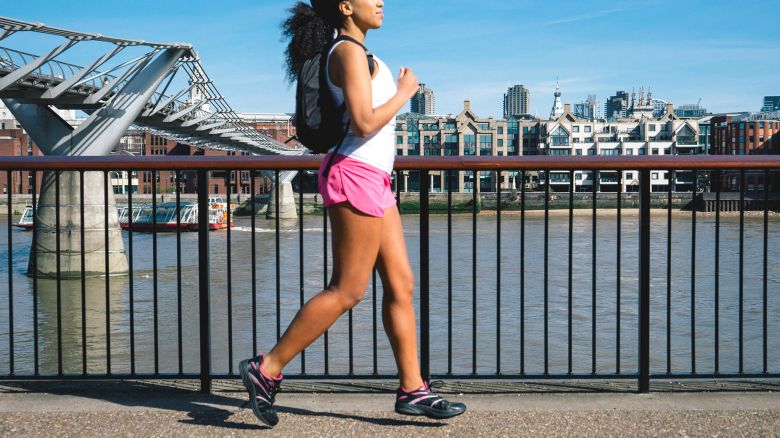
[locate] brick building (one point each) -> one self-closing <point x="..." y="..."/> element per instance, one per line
<point x="153" y="145"/>
<point x="754" y="134"/>
<point x="744" y="135"/>
<point x="14" y="142"/>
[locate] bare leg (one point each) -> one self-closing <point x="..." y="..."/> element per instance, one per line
<point x="397" y="303"/>
<point x="355" y="240"/>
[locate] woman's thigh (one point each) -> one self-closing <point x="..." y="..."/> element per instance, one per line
<point x="356" y="239"/>
<point x="393" y="260"/>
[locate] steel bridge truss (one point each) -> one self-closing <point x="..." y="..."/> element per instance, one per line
<point x="164" y="90"/>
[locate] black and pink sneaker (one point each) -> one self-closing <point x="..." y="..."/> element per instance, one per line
<point x="262" y="389"/>
<point x="423" y="401"/>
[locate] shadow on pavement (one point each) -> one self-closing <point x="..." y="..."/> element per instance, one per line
<point x="202" y="409"/>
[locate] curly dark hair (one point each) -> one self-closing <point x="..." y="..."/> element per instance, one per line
<point x="310" y="29"/>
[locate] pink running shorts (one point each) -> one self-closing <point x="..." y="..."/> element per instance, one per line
<point x="362" y="185"/>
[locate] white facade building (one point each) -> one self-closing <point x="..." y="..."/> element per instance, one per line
<point x="568" y="135"/>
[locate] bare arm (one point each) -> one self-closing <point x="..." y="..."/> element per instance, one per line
<point x="349" y="70"/>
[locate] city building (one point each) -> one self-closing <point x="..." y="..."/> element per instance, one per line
<point x="705" y="133"/>
<point x="659" y="107"/>
<point x="641" y="108"/>
<point x="690" y="111"/>
<point x="463" y="135"/>
<point x="424" y="101"/>
<point x="616" y="106"/>
<point x="557" y="108"/>
<point x="745" y="134"/>
<point x="588" y="109"/>
<point x="771" y="103"/>
<point x="164" y="181"/>
<point x="280" y="127"/>
<point x="14" y="142"/>
<point x="637" y="134"/>
<point x="517" y="101"/>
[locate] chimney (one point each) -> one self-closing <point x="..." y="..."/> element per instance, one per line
<point x="467" y="105"/>
<point x="567" y="108"/>
<point x="670" y="108"/>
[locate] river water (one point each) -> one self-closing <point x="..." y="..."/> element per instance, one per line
<point x="487" y="321"/>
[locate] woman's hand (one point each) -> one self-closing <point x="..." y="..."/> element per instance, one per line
<point x="407" y="83"/>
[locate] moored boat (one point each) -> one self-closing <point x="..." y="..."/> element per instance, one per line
<point x="146" y="219"/>
<point x="26" y="221"/>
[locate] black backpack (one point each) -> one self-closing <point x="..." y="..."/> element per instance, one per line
<point x="318" y="121"/>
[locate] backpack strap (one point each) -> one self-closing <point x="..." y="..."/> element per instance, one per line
<point x="370" y="59"/>
<point x="369" y="55"/>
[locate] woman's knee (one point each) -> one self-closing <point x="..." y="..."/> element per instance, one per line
<point x="349" y="296"/>
<point x="402" y="288"/>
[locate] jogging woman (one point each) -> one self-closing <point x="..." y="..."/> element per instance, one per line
<point x="366" y="225"/>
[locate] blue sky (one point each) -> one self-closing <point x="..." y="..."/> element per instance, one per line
<point x="725" y="52"/>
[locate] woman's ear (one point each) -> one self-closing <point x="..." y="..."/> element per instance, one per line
<point x="345" y="7"/>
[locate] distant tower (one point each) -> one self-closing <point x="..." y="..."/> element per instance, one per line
<point x="557" y="109"/>
<point x="517" y="101"/>
<point x="424" y="102"/>
<point x="197" y="91"/>
<point x="617" y="105"/>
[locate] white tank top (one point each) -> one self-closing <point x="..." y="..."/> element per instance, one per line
<point x="377" y="150"/>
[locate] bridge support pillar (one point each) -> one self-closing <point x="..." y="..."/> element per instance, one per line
<point x="287" y="207"/>
<point x="95" y="136"/>
<point x="70" y="240"/>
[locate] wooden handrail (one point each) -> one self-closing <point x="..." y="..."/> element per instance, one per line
<point x="469" y="163"/>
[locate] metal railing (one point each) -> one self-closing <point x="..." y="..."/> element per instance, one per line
<point x="551" y="315"/>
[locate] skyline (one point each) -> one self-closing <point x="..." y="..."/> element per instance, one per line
<point x="686" y="50"/>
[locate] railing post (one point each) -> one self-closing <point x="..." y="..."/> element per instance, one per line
<point x="425" y="368"/>
<point x="644" y="281"/>
<point x="203" y="281"/>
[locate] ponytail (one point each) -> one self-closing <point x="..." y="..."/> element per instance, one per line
<point x="310" y="30"/>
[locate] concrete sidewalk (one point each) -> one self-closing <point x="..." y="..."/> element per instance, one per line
<point x="148" y="409"/>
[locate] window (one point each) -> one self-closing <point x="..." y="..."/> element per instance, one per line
<point x="761" y="125"/>
<point x="610" y="152"/>
<point x="588" y="139"/>
<point x="469" y="144"/>
<point x="486" y="144"/>
<point x="655" y="151"/>
<point x="500" y="130"/>
<point x="629" y="176"/>
<point x="560" y="137"/>
<point x="654" y="175"/>
<point x="629" y="152"/>
<point x="651" y="128"/>
<point x="558" y="152"/>
<point x="575" y="128"/>
<point x="500" y="143"/>
<point x="588" y="128"/>
<point x="576" y="140"/>
<point x="450" y="125"/>
<point x="761" y="139"/>
<point x="578" y="177"/>
<point x="483" y="126"/>
<point x="591" y="151"/>
<point x="642" y="151"/>
<point x="450" y="144"/>
<point x="399" y="139"/>
<point x="578" y="152"/>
